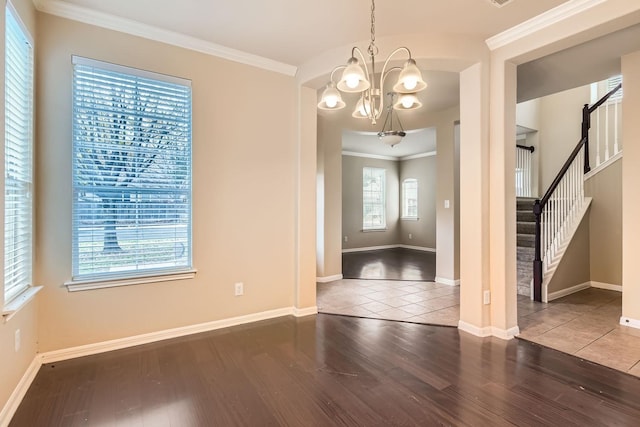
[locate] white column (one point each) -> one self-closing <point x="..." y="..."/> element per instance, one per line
<point x="630" y="193"/>
<point x="474" y="200"/>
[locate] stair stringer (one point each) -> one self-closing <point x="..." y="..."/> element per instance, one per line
<point x="550" y="267"/>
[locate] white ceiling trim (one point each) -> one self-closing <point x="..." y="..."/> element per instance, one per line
<point x="540" y="22"/>
<point x="111" y="22"/>
<point x="369" y="156"/>
<point x="419" y="156"/>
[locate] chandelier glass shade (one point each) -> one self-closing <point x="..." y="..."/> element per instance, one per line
<point x="388" y="135"/>
<point x="358" y="77"/>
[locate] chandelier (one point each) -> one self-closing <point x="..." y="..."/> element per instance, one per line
<point x="355" y="79"/>
<point x="391" y="137"/>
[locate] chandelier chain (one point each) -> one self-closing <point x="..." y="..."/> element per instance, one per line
<point x="373" y="49"/>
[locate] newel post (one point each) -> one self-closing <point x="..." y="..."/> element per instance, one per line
<point x="586" y="125"/>
<point x="537" y="261"/>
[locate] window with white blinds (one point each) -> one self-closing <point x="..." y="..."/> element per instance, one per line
<point x="410" y="198"/>
<point x="131" y="172"/>
<point x="612" y="82"/>
<point x="18" y="172"/>
<point x="373" y="199"/>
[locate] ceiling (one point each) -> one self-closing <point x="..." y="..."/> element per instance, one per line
<point x="294" y="31"/>
<point x="416" y="142"/>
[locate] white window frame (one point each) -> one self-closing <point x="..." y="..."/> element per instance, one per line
<point x="18" y="286"/>
<point x="405" y="198"/>
<point x="374" y="199"/>
<point x="124" y="274"/>
<point x="601" y="88"/>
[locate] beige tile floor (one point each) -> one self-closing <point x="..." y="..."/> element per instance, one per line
<point x="421" y="302"/>
<point x="585" y="324"/>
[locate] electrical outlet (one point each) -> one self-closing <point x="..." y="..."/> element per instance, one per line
<point x="410" y="236"/>
<point x="346" y="239"/>
<point x="239" y="289"/>
<point x="447" y="204"/>
<point x="487" y="297"/>
<point x="17" y="340"/>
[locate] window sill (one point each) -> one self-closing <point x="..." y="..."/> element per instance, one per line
<point x="374" y="230"/>
<point x="86" y="285"/>
<point x="410" y="218"/>
<point x="20" y="301"/>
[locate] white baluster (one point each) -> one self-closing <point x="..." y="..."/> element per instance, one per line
<point x="616" y="146"/>
<point x="606" y="135"/>
<point x="598" y="137"/>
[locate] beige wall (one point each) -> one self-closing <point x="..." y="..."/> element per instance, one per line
<point x="448" y="188"/>
<point x="329" y="184"/>
<point x="329" y="141"/>
<point x="423" y="231"/>
<point x="244" y="188"/>
<point x="13" y="364"/>
<point x="307" y="199"/>
<point x="528" y="115"/>
<point x="630" y="193"/>
<point x="352" y="203"/>
<point x="574" y="268"/>
<point x="560" y="130"/>
<point x="605" y="224"/>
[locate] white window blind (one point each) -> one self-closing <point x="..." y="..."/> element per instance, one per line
<point x="410" y="198"/>
<point x="18" y="175"/>
<point x="612" y="82"/>
<point x="373" y="199"/>
<point x="131" y="172"/>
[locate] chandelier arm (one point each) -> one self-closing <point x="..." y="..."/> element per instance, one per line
<point x="391" y="56"/>
<point x="364" y="61"/>
<point x="339" y="67"/>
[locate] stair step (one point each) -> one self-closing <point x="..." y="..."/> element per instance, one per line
<point x="525" y="240"/>
<point x="525" y="254"/>
<point x="525" y="203"/>
<point x="525" y="216"/>
<point x="526" y="227"/>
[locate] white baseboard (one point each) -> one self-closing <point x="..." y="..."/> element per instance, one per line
<point x="607" y="286"/>
<point x="505" y="334"/>
<point x="568" y="291"/>
<point x="369" y="248"/>
<point x="418" y="248"/>
<point x="302" y="312"/>
<point x="328" y="279"/>
<point x="489" y="331"/>
<point x="632" y="323"/>
<point x="19" y="392"/>
<point x="101" y="347"/>
<point x="474" y="330"/>
<point x="449" y="282"/>
<point x="377" y="248"/>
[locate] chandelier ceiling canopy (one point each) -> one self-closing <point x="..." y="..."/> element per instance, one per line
<point x="356" y="79"/>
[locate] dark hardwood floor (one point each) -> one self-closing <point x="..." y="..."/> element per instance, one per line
<point x="329" y="370"/>
<point x="390" y="264"/>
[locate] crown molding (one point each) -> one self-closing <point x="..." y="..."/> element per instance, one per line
<point x="369" y="156"/>
<point x="135" y="28"/>
<point x="419" y="156"/>
<point x="540" y="22"/>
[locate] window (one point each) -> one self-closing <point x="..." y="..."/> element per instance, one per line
<point x="611" y="84"/>
<point x="18" y="170"/>
<point x="373" y="199"/>
<point x="410" y="198"/>
<point x="600" y="89"/>
<point x="131" y="172"/>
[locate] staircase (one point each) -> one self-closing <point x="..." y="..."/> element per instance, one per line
<point x="525" y="242"/>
